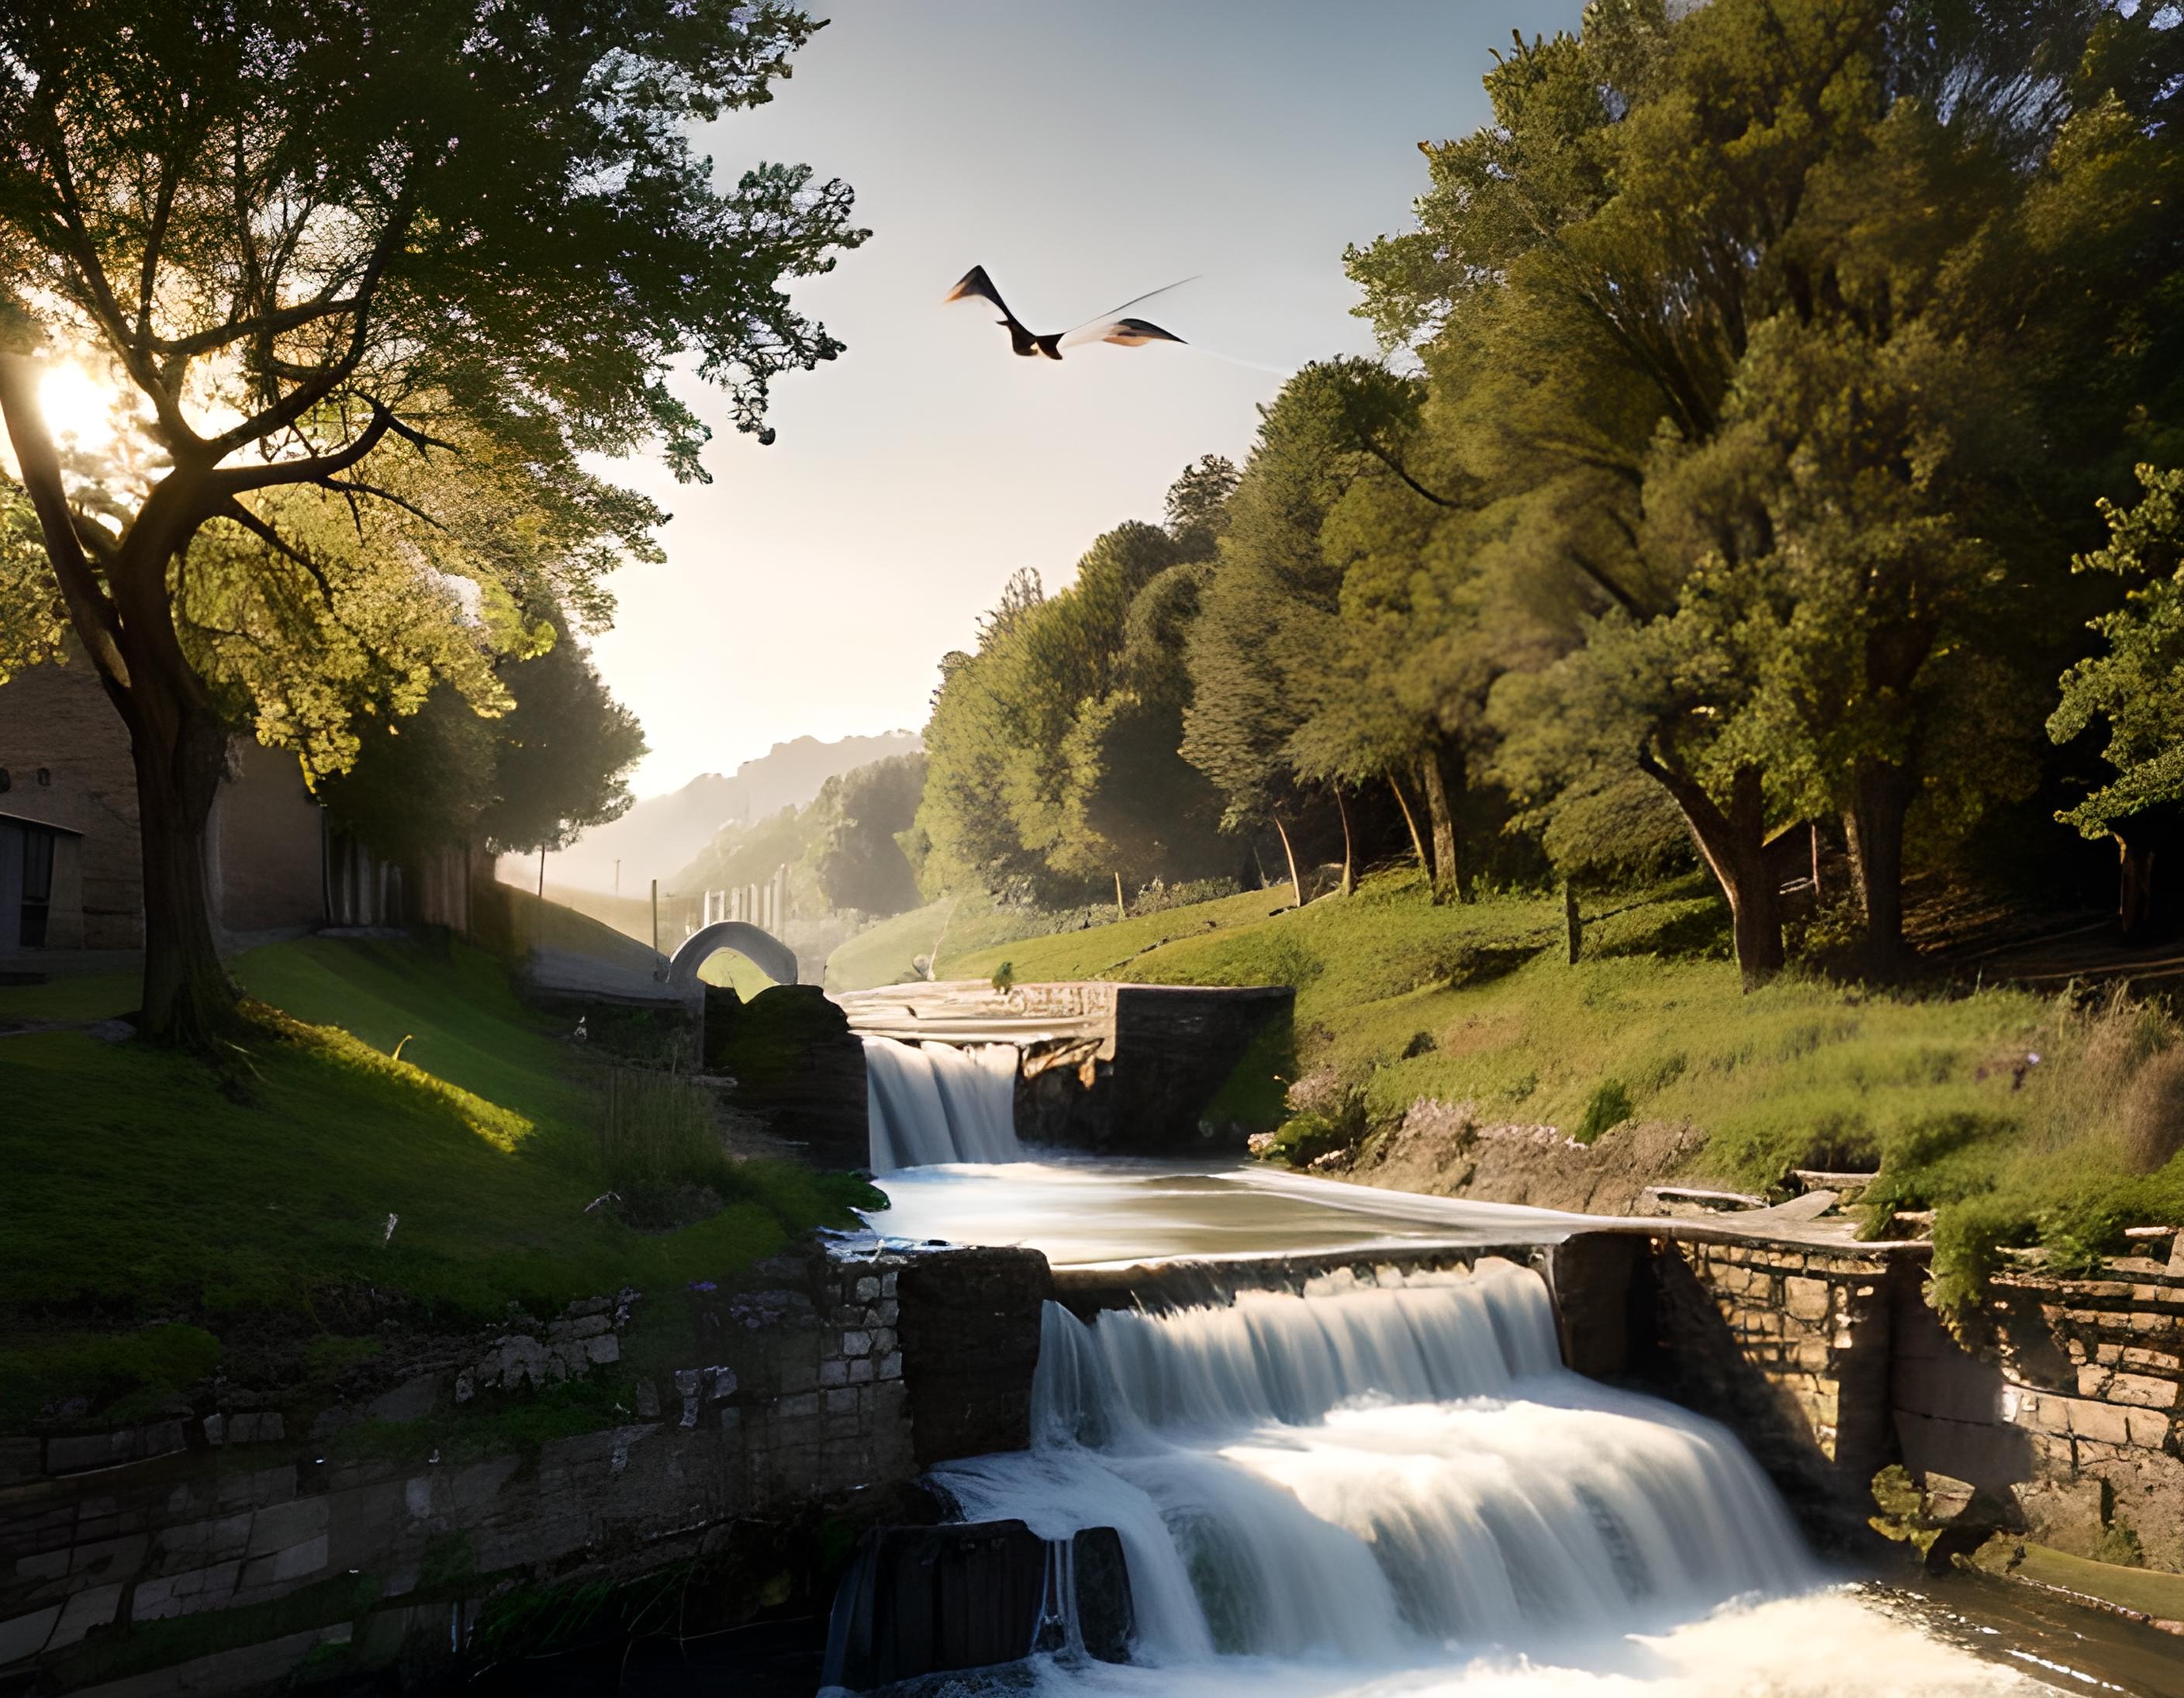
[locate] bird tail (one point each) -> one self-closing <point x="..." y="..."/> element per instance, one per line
<point x="1049" y="345"/>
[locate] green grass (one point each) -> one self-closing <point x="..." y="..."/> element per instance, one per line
<point x="957" y="929"/>
<point x="1476" y="1003"/>
<point x="142" y="1187"/>
<point x="82" y="996"/>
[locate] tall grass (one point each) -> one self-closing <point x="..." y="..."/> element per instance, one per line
<point x="658" y="1132"/>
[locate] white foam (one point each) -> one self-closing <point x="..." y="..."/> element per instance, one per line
<point x="933" y="1103"/>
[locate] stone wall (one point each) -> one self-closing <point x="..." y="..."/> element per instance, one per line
<point x="2092" y="1385"/>
<point x="1146" y="1091"/>
<point x="216" y="1549"/>
<point x="2062" y="1409"/>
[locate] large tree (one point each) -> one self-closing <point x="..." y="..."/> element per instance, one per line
<point x="1054" y="763"/>
<point x="1809" y="324"/>
<point x="314" y="240"/>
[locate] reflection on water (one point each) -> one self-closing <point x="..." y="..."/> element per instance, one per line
<point x="1093" y="1210"/>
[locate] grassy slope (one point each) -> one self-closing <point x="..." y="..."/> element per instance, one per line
<point x="1804" y="1073"/>
<point x="962" y="926"/>
<point x="140" y="1187"/>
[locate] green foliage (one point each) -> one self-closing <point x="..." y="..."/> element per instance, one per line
<point x="1749" y="330"/>
<point x="2132" y="686"/>
<point x="1053" y="748"/>
<point x="562" y="754"/>
<point x="860" y="861"/>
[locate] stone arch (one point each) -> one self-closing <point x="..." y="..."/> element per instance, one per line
<point x="772" y="957"/>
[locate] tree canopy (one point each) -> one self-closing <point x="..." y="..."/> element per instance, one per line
<point x="377" y="283"/>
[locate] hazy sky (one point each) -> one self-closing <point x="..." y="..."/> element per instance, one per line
<point x="1082" y="154"/>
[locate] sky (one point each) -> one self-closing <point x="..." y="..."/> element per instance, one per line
<point x="1082" y="154"/>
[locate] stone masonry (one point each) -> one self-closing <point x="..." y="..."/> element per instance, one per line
<point x="2062" y="1404"/>
<point x="797" y="1405"/>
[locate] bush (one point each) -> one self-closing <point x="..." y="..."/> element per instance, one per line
<point x="1303" y="1139"/>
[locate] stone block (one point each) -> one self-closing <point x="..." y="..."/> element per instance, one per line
<point x="24" y="1636"/>
<point x="603" y="1349"/>
<point x="1806" y="1300"/>
<point x="891" y="1366"/>
<point x="285" y="1566"/>
<point x="837" y="1401"/>
<point x="110" y="1558"/>
<point x="287" y="1524"/>
<point x="867" y="1290"/>
<point x="411" y="1400"/>
<point x="93" y="1607"/>
<point x="856" y="1344"/>
<point x="209" y="1587"/>
<point x="192" y="1544"/>
<point x="801" y="1407"/>
<point x="887" y="1285"/>
<point x="833" y="1371"/>
<point x="860" y="1370"/>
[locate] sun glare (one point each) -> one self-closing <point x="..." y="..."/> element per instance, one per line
<point x="79" y="408"/>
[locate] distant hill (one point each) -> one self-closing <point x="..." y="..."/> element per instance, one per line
<point x="663" y="834"/>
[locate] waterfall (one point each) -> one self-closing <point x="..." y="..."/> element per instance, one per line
<point x="940" y="1102"/>
<point x="1390" y="1474"/>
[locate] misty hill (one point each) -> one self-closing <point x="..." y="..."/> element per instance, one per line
<point x="663" y="834"/>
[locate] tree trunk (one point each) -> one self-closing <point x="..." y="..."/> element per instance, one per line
<point x="177" y="743"/>
<point x="1881" y="799"/>
<point x="1349" y="862"/>
<point x="2134" y="885"/>
<point x="1418" y="843"/>
<point x="1297" y="884"/>
<point x="180" y="750"/>
<point x="1732" y="841"/>
<point x="1444" y="774"/>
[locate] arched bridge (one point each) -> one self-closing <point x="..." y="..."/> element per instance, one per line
<point x="772" y="957"/>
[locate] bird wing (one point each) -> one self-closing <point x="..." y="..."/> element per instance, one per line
<point x="1126" y="332"/>
<point x="975" y="284"/>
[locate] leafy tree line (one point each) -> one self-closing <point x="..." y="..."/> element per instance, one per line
<point x="848" y="850"/>
<point x="1765" y="370"/>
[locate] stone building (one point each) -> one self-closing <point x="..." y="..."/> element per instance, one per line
<point x="71" y="859"/>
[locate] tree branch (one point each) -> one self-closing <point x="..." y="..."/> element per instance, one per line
<point x="235" y="511"/>
<point x="90" y="609"/>
<point x="231" y="481"/>
<point x="299" y="401"/>
<point x="362" y="488"/>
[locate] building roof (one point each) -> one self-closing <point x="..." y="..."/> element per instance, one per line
<point x="9" y="819"/>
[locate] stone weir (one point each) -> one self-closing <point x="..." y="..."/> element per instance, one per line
<point x="2056" y="1411"/>
<point x="1135" y="1069"/>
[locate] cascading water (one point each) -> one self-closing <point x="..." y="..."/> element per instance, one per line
<point x="1396" y="1487"/>
<point x="1380" y="1470"/>
<point x="933" y="1103"/>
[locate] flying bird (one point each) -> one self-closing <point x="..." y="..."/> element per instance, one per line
<point x="1124" y="332"/>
